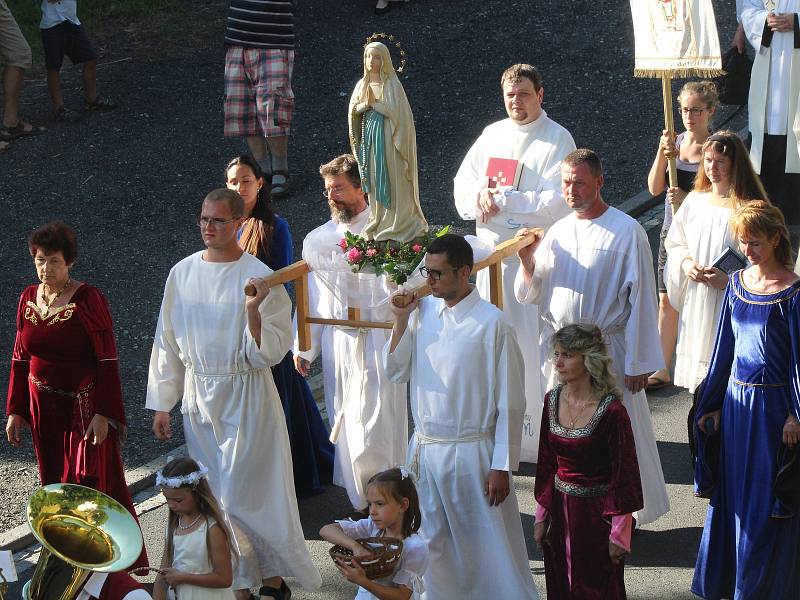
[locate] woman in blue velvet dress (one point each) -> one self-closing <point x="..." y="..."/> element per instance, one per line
<point x="266" y="235"/>
<point x="750" y="549"/>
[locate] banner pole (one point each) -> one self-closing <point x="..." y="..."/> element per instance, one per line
<point x="669" y="125"/>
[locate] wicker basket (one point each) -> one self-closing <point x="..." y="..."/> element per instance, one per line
<point x="383" y="558"/>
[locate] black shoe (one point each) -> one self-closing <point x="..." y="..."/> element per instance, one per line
<point x="100" y="104"/>
<point x="66" y="115"/>
<point x="281" y="593"/>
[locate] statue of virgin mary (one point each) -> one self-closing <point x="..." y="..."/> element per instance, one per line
<point x="384" y="142"/>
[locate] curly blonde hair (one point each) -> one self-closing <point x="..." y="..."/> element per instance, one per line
<point x="587" y="340"/>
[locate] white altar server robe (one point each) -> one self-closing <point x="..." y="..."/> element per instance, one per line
<point x="773" y="101"/>
<point x="467" y="401"/>
<point x="701" y="231"/>
<point x="538" y="202"/>
<point x="600" y="271"/>
<point x="374" y="422"/>
<point x="233" y="420"/>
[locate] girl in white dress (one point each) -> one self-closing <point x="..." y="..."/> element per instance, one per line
<point x="196" y="564"/>
<point x="393" y="512"/>
<point x="700" y="232"/>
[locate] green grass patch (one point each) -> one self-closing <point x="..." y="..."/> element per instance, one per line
<point x="100" y="17"/>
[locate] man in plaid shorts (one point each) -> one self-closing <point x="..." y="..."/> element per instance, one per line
<point x="258" y="83"/>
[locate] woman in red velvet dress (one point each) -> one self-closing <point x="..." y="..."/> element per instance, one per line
<point x="65" y="384"/>
<point x="587" y="477"/>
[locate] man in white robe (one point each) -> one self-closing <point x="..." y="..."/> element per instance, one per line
<point x="367" y="412"/>
<point x="213" y="350"/>
<point x="528" y="135"/>
<point x="773" y="29"/>
<point x="595" y="266"/>
<point x="461" y="356"/>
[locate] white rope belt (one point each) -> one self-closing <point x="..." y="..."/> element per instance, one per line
<point x="424" y="440"/>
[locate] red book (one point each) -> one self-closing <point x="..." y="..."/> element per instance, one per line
<point x="503" y="171"/>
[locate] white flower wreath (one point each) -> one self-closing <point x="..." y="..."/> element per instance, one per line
<point x="192" y="479"/>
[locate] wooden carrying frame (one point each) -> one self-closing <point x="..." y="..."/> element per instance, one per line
<point x="298" y="274"/>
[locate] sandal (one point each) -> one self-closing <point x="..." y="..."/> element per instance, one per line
<point x="66" y="115"/>
<point x="281" y="593"/>
<point x="656" y="383"/>
<point x="21" y="129"/>
<point x="280" y="189"/>
<point x="100" y="104"/>
<point x="4" y="146"/>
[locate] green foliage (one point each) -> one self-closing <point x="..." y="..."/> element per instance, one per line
<point x="397" y="260"/>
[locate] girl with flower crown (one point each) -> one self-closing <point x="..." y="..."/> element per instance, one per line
<point x="196" y="564"/>
<point x="393" y="512"/>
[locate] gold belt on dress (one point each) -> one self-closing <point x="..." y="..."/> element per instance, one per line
<point x="737" y="382"/>
<point x="80" y="394"/>
<point x="580" y="491"/>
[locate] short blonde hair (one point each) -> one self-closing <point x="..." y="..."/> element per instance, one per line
<point x="762" y="219"/>
<point x="587" y="340"/>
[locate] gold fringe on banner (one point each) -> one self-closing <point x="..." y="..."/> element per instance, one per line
<point x="678" y="73"/>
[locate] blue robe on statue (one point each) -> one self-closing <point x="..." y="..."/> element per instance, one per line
<point x="750" y="549"/>
<point x="312" y="451"/>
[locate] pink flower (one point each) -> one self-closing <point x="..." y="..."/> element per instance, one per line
<point x="353" y="255"/>
<point x="392" y="250"/>
<point x="342" y="244"/>
<point x="416" y="248"/>
<point x="372" y="252"/>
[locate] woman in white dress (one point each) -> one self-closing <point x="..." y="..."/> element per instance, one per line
<point x="700" y="233"/>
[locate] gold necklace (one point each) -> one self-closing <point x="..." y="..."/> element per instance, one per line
<point x="47" y="303"/>
<point x="574" y="417"/>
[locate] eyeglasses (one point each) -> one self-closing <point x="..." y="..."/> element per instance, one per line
<point x="692" y="111"/>
<point x="213" y="222"/>
<point x="433" y="273"/>
<point x="337" y="189"/>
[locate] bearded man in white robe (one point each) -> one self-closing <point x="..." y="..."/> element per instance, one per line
<point x="461" y="356"/>
<point x="213" y="350"/>
<point x="367" y="412"/>
<point x="595" y="266"/>
<point x="529" y="136"/>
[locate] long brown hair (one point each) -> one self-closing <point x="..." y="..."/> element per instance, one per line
<point x="260" y="223"/>
<point x="206" y="503"/>
<point x="745" y="184"/>
<point x="398" y="487"/>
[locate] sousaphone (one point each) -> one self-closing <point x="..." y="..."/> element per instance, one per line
<point x="81" y="531"/>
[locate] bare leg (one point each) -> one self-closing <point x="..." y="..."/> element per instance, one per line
<point x="90" y="81"/>
<point x="668" y="331"/>
<point x="279" y="162"/>
<point x="258" y="146"/>
<point x="54" y="89"/>
<point x="12" y="86"/>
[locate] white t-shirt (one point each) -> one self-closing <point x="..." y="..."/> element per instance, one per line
<point x="413" y="559"/>
<point x="55" y="13"/>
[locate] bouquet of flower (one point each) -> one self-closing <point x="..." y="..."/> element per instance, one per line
<point x="397" y="260"/>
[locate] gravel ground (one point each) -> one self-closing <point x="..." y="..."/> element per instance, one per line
<point x="130" y="181"/>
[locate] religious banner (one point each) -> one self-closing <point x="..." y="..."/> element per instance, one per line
<point x="676" y="38"/>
